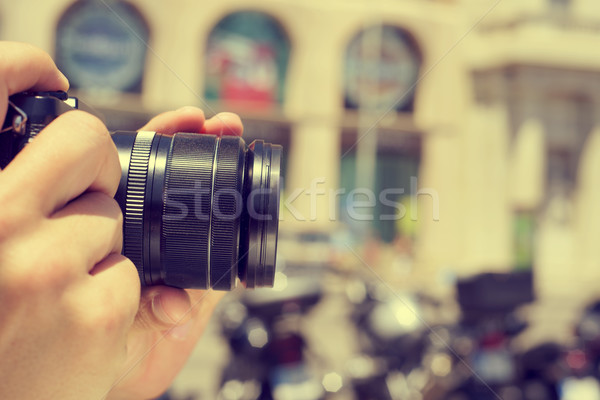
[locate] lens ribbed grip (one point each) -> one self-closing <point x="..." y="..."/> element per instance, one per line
<point x="133" y="216"/>
<point x="226" y="212"/>
<point x="186" y="213"/>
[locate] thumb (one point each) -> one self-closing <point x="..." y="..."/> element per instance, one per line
<point x="163" y="308"/>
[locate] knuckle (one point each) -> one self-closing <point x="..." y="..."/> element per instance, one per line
<point x="14" y="216"/>
<point x="110" y="310"/>
<point x="117" y="237"/>
<point x="30" y="259"/>
<point x="115" y="211"/>
<point x="94" y="316"/>
<point x="134" y="284"/>
<point x="105" y="321"/>
<point x="11" y="220"/>
<point x="90" y="127"/>
<point x="89" y="121"/>
<point x="38" y="274"/>
<point x="109" y="207"/>
<point x="119" y="224"/>
<point x="106" y="317"/>
<point x="97" y="141"/>
<point x="130" y="303"/>
<point x="46" y="270"/>
<point x="13" y="282"/>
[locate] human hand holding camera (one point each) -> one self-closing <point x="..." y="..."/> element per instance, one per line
<point x="74" y="322"/>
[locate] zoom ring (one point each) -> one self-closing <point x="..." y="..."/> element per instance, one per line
<point x="133" y="224"/>
<point x="186" y="213"/>
<point x="226" y="212"/>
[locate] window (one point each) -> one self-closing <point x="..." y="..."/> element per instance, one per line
<point x="381" y="69"/>
<point x="101" y="46"/>
<point x="246" y="60"/>
<point x="569" y="120"/>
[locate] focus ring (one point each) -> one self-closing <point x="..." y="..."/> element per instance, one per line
<point x="133" y="215"/>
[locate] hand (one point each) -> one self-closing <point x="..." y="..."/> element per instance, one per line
<point x="68" y="297"/>
<point x="73" y="324"/>
<point x="169" y="321"/>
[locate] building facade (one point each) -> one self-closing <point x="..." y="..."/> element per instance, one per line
<point x="484" y="115"/>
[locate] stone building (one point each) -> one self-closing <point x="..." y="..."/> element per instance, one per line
<point x="491" y="107"/>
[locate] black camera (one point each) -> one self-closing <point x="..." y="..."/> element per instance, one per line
<point x="200" y="211"/>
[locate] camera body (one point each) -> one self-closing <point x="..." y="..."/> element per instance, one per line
<point x="28" y="113"/>
<point x="200" y="211"/>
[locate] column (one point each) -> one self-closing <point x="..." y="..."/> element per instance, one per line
<point x="314" y="103"/>
<point x="485" y="210"/>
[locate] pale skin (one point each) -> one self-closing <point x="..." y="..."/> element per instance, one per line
<point x="74" y="322"/>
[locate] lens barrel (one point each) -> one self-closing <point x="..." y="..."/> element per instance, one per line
<point x="199" y="211"/>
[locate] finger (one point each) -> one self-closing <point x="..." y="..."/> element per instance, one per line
<point x="117" y="278"/>
<point x="224" y="124"/>
<point x="203" y="306"/>
<point x="72" y="155"/>
<point x="200" y="296"/>
<point x="162" y="308"/>
<point x="92" y="225"/>
<point x="153" y="361"/>
<point x="186" y="119"/>
<point x="22" y="67"/>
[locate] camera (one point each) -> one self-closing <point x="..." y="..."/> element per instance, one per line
<point x="199" y="211"/>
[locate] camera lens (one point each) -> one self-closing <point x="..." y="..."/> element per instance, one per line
<point x="199" y="211"/>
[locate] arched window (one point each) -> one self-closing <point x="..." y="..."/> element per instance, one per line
<point x="101" y="46"/>
<point x="246" y="60"/>
<point x="381" y="69"/>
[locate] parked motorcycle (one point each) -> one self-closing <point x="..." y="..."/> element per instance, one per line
<point x="393" y="338"/>
<point x="268" y="348"/>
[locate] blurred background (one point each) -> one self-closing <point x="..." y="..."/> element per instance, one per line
<point x="440" y="214"/>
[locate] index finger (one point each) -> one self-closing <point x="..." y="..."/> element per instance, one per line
<point x="23" y="67"/>
<point x="72" y="155"/>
